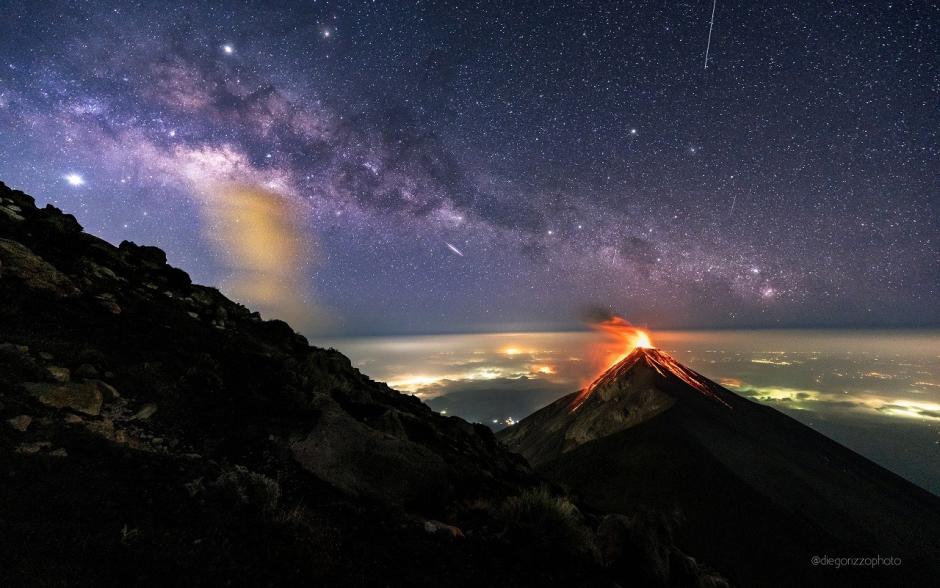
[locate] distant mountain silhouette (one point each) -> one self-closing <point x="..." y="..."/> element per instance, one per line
<point x="749" y="490"/>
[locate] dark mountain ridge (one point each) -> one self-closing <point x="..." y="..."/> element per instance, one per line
<point x="759" y="494"/>
<point x="153" y="432"/>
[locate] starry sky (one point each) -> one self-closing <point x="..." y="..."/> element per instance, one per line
<point x="413" y="167"/>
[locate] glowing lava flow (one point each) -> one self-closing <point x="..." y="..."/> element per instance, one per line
<point x="636" y="346"/>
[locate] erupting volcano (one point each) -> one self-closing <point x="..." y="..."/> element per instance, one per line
<point x="640" y="350"/>
<point x="651" y="435"/>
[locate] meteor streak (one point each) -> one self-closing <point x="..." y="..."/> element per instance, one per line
<point x="454" y="249"/>
<point x="710" y="27"/>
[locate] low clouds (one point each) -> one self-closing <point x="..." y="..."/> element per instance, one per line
<point x="495" y="400"/>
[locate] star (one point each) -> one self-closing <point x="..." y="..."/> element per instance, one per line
<point x="228" y="49"/>
<point x="74" y="179"/>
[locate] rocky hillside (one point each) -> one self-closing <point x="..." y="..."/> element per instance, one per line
<point x="151" y="430"/>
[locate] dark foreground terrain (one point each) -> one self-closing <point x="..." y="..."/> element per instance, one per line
<point x="153" y="432"/>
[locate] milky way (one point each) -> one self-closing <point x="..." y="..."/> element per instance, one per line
<point x="574" y="155"/>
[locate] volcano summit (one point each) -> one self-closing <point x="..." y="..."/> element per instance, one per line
<point x="744" y="487"/>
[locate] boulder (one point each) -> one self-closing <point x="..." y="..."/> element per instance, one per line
<point x="14" y="348"/>
<point x="107" y="390"/>
<point x="59" y="374"/>
<point x="144" y="254"/>
<point x="146" y="411"/>
<point x="86" y="370"/>
<point x="20" y="422"/>
<point x="32" y="448"/>
<point x="81" y="397"/>
<point x="434" y="527"/>
<point x="364" y="462"/>
<point x="33" y="271"/>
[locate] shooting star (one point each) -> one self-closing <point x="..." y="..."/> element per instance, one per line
<point x="454" y="249"/>
<point x="710" y="27"/>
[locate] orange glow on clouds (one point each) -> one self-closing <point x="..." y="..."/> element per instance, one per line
<point x="620" y="339"/>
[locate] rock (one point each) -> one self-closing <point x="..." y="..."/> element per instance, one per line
<point x="45" y="356"/>
<point x="364" y="462"/>
<point x="56" y="223"/>
<point x="35" y="272"/>
<point x="13" y="348"/>
<point x="59" y="374"/>
<point x="156" y="441"/>
<point x="20" y="422"/>
<point x="73" y="419"/>
<point x="106" y="301"/>
<point x="434" y="527"/>
<point x="11" y="214"/>
<point x="194" y="487"/>
<point x="60" y="452"/>
<point x="145" y="254"/>
<point x="86" y="370"/>
<point x="101" y="272"/>
<point x="103" y="428"/>
<point x="146" y="411"/>
<point x="84" y="397"/>
<point x="107" y="390"/>
<point x="32" y="448"/>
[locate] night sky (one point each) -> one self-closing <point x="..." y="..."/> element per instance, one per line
<point x="394" y="167"/>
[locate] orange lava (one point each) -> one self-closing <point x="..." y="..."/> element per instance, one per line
<point x="620" y="339"/>
<point x="622" y="342"/>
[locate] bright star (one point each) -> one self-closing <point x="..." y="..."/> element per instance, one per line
<point x="228" y="49"/>
<point x="74" y="179"/>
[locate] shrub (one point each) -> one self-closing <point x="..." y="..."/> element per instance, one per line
<point x="548" y="521"/>
<point x="247" y="488"/>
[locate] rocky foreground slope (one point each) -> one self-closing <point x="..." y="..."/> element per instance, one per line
<point x="153" y="431"/>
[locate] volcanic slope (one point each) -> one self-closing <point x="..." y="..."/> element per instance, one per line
<point x="748" y="489"/>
